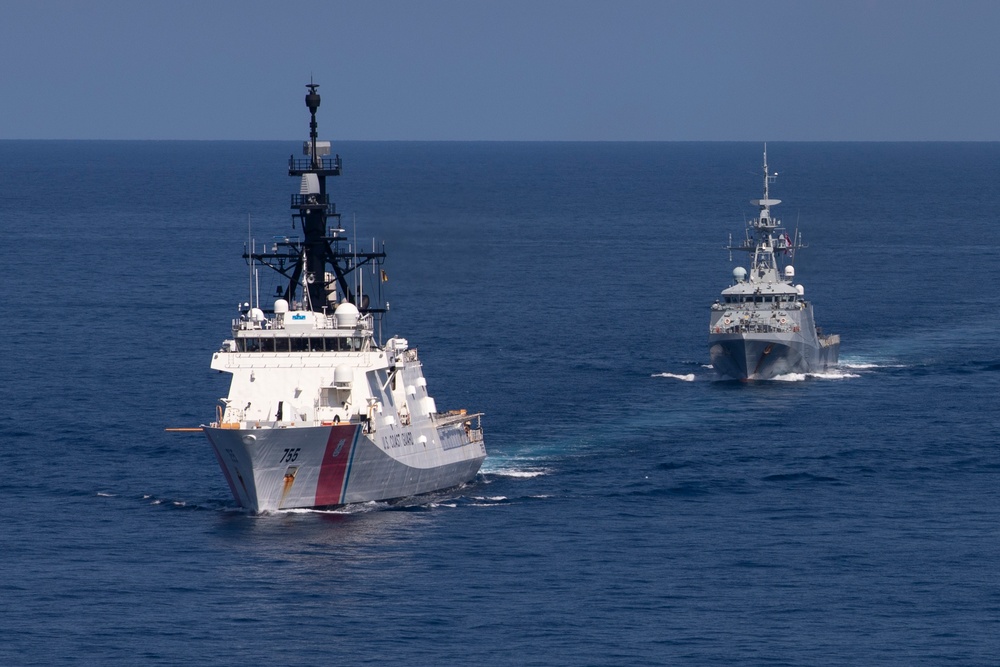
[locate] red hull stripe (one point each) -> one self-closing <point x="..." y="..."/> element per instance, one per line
<point x="333" y="470"/>
<point x="225" y="471"/>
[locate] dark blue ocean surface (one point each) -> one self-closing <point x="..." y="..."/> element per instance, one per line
<point x="632" y="511"/>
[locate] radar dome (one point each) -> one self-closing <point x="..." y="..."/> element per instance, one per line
<point x="800" y="290"/>
<point x="280" y="306"/>
<point x="789" y="271"/>
<point x="343" y="376"/>
<point x="739" y="274"/>
<point x="347" y="315"/>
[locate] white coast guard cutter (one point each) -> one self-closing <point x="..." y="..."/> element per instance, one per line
<point x="319" y="413"/>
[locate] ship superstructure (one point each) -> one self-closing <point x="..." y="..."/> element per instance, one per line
<point x="319" y="412"/>
<point x="762" y="326"/>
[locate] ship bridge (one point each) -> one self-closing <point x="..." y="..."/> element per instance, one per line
<point x="347" y="330"/>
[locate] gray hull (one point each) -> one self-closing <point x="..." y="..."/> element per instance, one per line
<point x="325" y="466"/>
<point x="763" y="356"/>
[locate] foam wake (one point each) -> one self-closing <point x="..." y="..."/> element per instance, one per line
<point x="684" y="378"/>
<point x="825" y="375"/>
<point x="515" y="473"/>
<point x="834" y="375"/>
<point x="867" y="363"/>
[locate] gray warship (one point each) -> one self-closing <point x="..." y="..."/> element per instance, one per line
<point x="762" y="327"/>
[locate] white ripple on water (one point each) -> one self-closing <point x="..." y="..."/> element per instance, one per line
<point x="865" y="362"/>
<point x="828" y="375"/>
<point x="488" y="501"/>
<point x="841" y="372"/>
<point x="506" y="472"/>
<point x="352" y="508"/>
<point x="868" y="366"/>
<point x="686" y="378"/>
<point x="834" y="375"/>
<point x="788" y="377"/>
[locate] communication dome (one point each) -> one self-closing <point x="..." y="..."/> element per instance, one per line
<point x="347" y="315"/>
<point x="343" y="376"/>
<point x="257" y="315"/>
<point x="739" y="274"/>
<point x="789" y="271"/>
<point x="280" y="306"/>
<point x="800" y="290"/>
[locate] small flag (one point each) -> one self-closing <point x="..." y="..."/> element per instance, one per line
<point x="385" y="276"/>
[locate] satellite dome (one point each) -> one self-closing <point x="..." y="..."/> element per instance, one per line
<point x="280" y="306"/>
<point x="347" y="315"/>
<point x="343" y="376"/>
<point x="789" y="271"/>
<point x="739" y="274"/>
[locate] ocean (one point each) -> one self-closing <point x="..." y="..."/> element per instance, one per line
<point x="632" y="511"/>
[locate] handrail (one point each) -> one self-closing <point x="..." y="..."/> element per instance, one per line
<point x="736" y="327"/>
<point x="307" y="164"/>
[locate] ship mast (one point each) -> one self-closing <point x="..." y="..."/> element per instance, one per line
<point x="764" y="256"/>
<point x="313" y="205"/>
<point x="766" y="241"/>
<point x="316" y="267"/>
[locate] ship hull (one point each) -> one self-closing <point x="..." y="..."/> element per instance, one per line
<point x="764" y="357"/>
<point x="325" y="466"/>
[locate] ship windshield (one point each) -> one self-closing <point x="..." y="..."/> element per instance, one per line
<point x="301" y="344"/>
<point x="757" y="298"/>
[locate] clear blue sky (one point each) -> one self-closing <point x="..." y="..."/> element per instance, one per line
<point x="502" y="70"/>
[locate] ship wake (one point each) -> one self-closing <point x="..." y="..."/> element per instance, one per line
<point x="841" y="372"/>
<point x="833" y="374"/>
<point x="689" y="377"/>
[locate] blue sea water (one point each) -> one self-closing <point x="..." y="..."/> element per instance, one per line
<point x="633" y="510"/>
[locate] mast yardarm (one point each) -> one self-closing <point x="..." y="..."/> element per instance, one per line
<point x="316" y="266"/>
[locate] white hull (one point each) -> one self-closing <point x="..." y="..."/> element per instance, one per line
<point x="322" y="466"/>
<point x="319" y="412"/>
